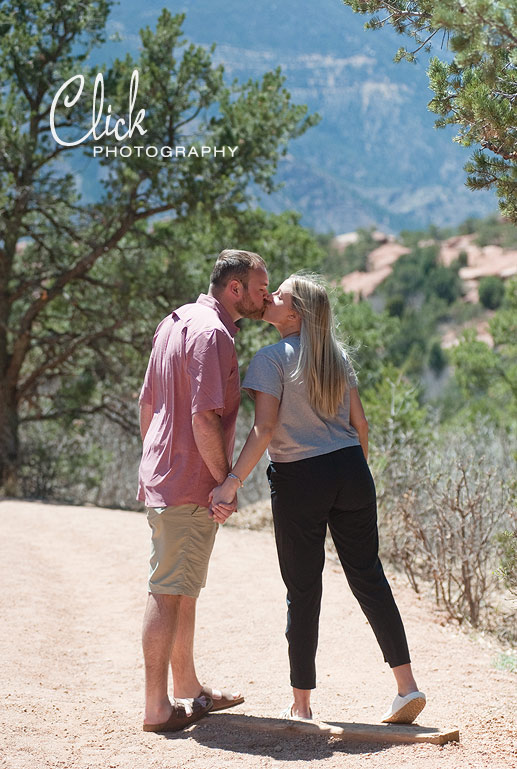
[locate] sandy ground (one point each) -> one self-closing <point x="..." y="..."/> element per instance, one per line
<point x="73" y="594"/>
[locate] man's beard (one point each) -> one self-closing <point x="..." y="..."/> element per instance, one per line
<point x="247" y="309"/>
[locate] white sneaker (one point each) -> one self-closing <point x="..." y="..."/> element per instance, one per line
<point x="404" y="710"/>
<point x="288" y="713"/>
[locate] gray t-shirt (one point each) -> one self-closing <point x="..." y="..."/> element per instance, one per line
<point x="300" y="432"/>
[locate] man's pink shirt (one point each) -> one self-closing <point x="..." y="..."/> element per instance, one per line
<point x="193" y="367"/>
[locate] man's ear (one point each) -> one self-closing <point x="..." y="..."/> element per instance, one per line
<point x="235" y="288"/>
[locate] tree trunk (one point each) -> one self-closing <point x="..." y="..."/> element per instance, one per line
<point x="9" y="444"/>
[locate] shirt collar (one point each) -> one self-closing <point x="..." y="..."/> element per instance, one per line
<point x="224" y="315"/>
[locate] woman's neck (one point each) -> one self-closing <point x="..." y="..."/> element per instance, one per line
<point x="289" y="329"/>
<point x="291" y="333"/>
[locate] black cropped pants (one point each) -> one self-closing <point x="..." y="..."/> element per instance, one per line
<point x="337" y="490"/>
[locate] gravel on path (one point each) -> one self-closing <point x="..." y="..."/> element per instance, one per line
<point x="74" y="591"/>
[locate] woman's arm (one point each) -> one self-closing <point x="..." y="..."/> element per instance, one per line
<point x="266" y="414"/>
<point x="358" y="419"/>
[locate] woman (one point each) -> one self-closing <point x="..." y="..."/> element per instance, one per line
<point x="308" y="411"/>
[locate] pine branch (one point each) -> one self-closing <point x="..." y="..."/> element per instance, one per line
<point x="28" y="384"/>
<point x="22" y="341"/>
<point x="41" y="417"/>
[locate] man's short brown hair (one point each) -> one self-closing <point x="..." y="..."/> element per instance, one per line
<point x="235" y="265"/>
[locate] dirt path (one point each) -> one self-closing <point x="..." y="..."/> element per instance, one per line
<point x="73" y="592"/>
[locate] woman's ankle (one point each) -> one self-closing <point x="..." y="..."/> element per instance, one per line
<point x="301" y="703"/>
<point x="405" y="680"/>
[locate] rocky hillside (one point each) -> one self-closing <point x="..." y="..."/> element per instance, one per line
<point x="480" y="262"/>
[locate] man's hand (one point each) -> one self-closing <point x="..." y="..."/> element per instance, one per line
<point x="223" y="501"/>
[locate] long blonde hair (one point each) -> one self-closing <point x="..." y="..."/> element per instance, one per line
<point x="321" y="364"/>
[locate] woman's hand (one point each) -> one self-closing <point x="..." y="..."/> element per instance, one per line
<point x="223" y="500"/>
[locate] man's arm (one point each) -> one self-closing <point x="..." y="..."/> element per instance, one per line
<point x="146" y="415"/>
<point x="209" y="438"/>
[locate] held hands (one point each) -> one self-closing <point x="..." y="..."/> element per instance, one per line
<point x="223" y="500"/>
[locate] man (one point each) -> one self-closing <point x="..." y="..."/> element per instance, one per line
<point x="188" y="410"/>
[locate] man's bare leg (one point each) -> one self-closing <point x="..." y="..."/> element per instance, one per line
<point x="158" y="633"/>
<point x="184" y="676"/>
<point x="185" y="680"/>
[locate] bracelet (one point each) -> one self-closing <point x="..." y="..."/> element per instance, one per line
<point x="232" y="475"/>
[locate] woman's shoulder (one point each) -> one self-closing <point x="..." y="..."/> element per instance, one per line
<point x="267" y="365"/>
<point x="282" y="350"/>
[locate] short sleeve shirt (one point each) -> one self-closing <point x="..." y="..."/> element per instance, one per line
<point x="300" y="432"/>
<point x="192" y="368"/>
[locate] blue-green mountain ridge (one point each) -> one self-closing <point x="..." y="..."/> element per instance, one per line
<point x="375" y="157"/>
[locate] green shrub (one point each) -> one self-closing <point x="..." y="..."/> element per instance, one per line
<point x="491" y="292"/>
<point x="356" y="254"/>
<point x="496" y="231"/>
<point x="437" y="357"/>
<point x="444" y="283"/>
<point x="395" y="306"/>
<point x="462" y="259"/>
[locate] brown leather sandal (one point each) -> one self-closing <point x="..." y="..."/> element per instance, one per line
<point x="227" y="700"/>
<point x="179" y="719"/>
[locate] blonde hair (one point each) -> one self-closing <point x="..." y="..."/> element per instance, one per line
<point x="321" y="364"/>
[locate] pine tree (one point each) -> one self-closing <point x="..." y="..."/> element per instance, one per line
<point x="476" y="89"/>
<point x="81" y="283"/>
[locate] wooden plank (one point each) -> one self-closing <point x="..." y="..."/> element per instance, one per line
<point x="358" y="732"/>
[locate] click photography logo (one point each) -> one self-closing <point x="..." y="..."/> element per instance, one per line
<point x="107" y="125"/>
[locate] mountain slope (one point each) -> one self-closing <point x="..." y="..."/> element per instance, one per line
<point x="376" y="156"/>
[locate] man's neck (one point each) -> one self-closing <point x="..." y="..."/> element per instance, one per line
<point x="228" y="306"/>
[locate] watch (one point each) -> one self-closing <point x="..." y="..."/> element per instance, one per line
<point x="232" y="475"/>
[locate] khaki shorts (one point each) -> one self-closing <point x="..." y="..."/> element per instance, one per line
<point x="181" y="544"/>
